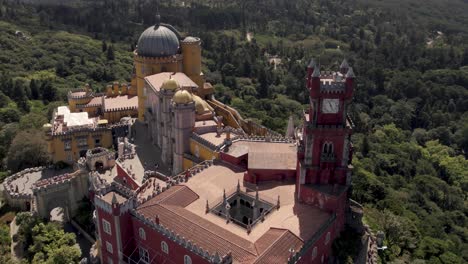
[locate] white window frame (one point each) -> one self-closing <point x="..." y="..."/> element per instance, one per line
<point x="327" y="238"/>
<point x="106" y="226"/>
<point x="187" y="259"/>
<point x="109" y="247"/>
<point x="144" y="255"/>
<point x="314" y="253"/>
<point x="142" y="233"/>
<point x="164" y="247"/>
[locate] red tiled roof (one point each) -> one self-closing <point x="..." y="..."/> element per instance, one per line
<point x="96" y="101"/>
<point x="278" y="251"/>
<point x="178" y="195"/>
<point x="201" y="232"/>
<point x="120" y="101"/>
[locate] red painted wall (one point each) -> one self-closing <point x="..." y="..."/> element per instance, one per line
<point x="269" y="175"/>
<point x="106" y="237"/>
<point x="153" y="245"/>
<point x="323" y="248"/>
<point x="125" y="177"/>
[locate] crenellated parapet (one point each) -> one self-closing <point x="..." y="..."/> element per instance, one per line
<point x="212" y="257"/>
<point x="157" y="60"/>
<point x="45" y="184"/>
<point x="12" y="191"/>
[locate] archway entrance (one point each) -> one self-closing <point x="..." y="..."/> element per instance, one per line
<point x="98" y="165"/>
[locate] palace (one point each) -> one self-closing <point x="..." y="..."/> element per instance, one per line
<point x="238" y="192"/>
<point x="227" y="189"/>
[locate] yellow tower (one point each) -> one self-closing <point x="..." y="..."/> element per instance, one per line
<point x="191" y="50"/>
<point x="158" y="50"/>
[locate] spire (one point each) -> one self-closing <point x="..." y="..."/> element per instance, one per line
<point x="344" y="64"/>
<point x="316" y="72"/>
<point x="290" y="128"/>
<point x="312" y="63"/>
<point x="157" y="21"/>
<point x="114" y="199"/>
<point x="350" y="73"/>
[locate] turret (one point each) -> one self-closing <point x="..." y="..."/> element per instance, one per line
<point x="344" y="66"/>
<point x="350" y="83"/>
<point x="310" y="70"/>
<point x="184" y="121"/>
<point x="315" y="82"/>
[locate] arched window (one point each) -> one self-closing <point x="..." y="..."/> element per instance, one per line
<point x="314" y="253"/>
<point x="325" y="148"/>
<point x="141" y="233"/>
<point x="187" y="259"/>
<point x="164" y="247"/>
<point x="327" y="238"/>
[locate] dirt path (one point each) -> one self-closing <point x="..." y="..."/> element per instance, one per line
<point x="16" y="248"/>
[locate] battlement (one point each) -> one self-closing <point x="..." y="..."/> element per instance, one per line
<point x="332" y="86"/>
<point x="212" y="257"/>
<point x="158" y="60"/>
<point x="43" y="185"/>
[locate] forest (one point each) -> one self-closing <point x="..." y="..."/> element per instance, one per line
<point x="410" y="107"/>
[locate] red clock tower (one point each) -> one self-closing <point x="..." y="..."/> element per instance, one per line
<point x="325" y="150"/>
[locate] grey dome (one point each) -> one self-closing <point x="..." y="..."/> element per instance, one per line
<point x="158" y="41"/>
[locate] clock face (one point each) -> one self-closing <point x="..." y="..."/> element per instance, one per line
<point x="330" y="106"/>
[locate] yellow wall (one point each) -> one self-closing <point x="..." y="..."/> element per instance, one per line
<point x="149" y="66"/>
<point x="192" y="63"/>
<point x="73" y="102"/>
<point x="56" y="144"/>
<point x="187" y="164"/>
<point x="115" y="116"/>
<point x="204" y="153"/>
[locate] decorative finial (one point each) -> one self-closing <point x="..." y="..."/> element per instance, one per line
<point x="350" y="73"/>
<point x="114" y="199"/>
<point x="157" y="21"/>
<point x="316" y="72"/>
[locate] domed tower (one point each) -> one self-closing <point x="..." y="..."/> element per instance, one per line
<point x="183" y="123"/>
<point x="191" y="49"/>
<point x="168" y="89"/>
<point x="158" y="50"/>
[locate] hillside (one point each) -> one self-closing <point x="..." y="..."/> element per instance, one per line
<point x="410" y="106"/>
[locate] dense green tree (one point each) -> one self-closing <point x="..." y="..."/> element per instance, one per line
<point x="28" y="149"/>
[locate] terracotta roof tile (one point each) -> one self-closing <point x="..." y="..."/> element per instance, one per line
<point x="278" y="252"/>
<point x="264" y="242"/>
<point x="121" y="101"/>
<point x="178" y="195"/>
<point x="96" y="101"/>
<point x="201" y="232"/>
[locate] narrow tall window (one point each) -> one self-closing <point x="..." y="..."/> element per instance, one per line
<point x="187" y="259"/>
<point x="109" y="247"/>
<point x="164" y="247"/>
<point x="141" y="233"/>
<point x="314" y="253"/>
<point x="106" y="226"/>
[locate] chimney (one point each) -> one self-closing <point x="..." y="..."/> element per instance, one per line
<point x="124" y="89"/>
<point x="157" y="219"/>
<point x="109" y="90"/>
<point x="116" y="88"/>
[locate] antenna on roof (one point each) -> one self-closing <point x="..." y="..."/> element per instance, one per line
<point x="158" y="17"/>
